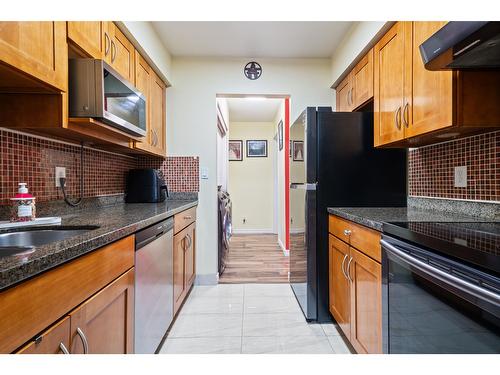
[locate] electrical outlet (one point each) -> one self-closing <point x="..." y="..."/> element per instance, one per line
<point x="461" y="176"/>
<point x="60" y="172"/>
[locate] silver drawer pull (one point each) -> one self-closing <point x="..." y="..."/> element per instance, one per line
<point x="84" y="340"/>
<point x="347" y="232"/>
<point x="188" y="217"/>
<point x="63" y="348"/>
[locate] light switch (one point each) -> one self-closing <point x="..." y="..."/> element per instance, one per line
<point x="461" y="176"/>
<point x="204" y="173"/>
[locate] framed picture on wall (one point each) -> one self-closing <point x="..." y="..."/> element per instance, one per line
<point x="280" y="135"/>
<point x="257" y="149"/>
<point x="298" y="151"/>
<point x="235" y="150"/>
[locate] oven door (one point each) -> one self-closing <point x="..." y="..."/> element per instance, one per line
<point x="432" y="304"/>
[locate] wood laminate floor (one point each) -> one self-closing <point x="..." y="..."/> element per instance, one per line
<point x="255" y="259"/>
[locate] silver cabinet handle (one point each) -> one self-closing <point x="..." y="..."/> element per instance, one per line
<point x="347" y="232"/>
<point x="190" y="241"/>
<point x="342" y="266"/>
<point x="396" y="115"/>
<point x="348" y="268"/>
<point x="113" y="51"/>
<point x="352" y="101"/>
<point x="106" y="44"/>
<point x="63" y="348"/>
<point x="84" y="340"/>
<point x="405" y="115"/>
<point x="188" y="217"/>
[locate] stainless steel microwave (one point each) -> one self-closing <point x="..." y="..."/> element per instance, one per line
<point x="98" y="91"/>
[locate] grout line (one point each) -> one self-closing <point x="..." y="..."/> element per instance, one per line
<point x="242" y="319"/>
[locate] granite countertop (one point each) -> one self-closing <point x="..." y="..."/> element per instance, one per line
<point x="374" y="217"/>
<point x="115" y="222"/>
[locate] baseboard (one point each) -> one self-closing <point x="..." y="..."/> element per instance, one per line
<point x="296" y="230"/>
<point x="285" y="251"/>
<point x="207" y="279"/>
<point x="253" y="231"/>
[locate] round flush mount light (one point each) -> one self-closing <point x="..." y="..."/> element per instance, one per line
<point x="252" y="70"/>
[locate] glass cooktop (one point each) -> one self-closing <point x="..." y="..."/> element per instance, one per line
<point x="476" y="243"/>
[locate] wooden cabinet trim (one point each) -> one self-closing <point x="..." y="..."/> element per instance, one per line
<point x="184" y="218"/>
<point x="362" y="80"/>
<point x="31" y="306"/>
<point x="49" y="341"/>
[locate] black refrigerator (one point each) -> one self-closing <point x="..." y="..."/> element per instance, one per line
<point x="333" y="164"/>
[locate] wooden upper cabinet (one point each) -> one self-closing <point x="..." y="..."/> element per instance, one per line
<point x="340" y="303"/>
<point x="54" y="340"/>
<point x="105" y="323"/>
<point x="362" y="80"/>
<point x="414" y="106"/>
<point x="121" y="54"/>
<point x="158" y="114"/>
<point x="344" y="95"/>
<point x="389" y="65"/>
<point x="89" y="36"/>
<point x="142" y="81"/>
<point x="39" y="50"/>
<point x="366" y="303"/>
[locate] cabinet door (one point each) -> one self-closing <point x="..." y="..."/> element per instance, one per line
<point x="344" y="92"/>
<point x="428" y="95"/>
<point x="389" y="86"/>
<point x="340" y="303"/>
<point x="54" y="340"/>
<point x="121" y="55"/>
<point x="158" y="114"/>
<point x="362" y="80"/>
<point x="189" y="258"/>
<point x="89" y="37"/>
<point x="142" y="81"/>
<point x="180" y="243"/>
<point x="366" y="303"/>
<point x="38" y="49"/>
<point x="106" y="321"/>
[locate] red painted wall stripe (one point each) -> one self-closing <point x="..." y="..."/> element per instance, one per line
<point x="287" y="173"/>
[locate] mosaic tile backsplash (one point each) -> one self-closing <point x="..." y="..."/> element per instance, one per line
<point x="24" y="158"/>
<point x="431" y="169"/>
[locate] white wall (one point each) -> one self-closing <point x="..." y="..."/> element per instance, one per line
<point x="251" y="181"/>
<point x="192" y="129"/>
<point x="359" y="36"/>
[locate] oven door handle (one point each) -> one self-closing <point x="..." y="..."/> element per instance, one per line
<point x="445" y="277"/>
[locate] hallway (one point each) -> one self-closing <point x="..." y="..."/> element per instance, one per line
<point x="248" y="319"/>
<point x="255" y="259"/>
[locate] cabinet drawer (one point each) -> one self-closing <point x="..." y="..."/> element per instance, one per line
<point x="364" y="239"/>
<point x="53" y="341"/>
<point x="183" y="219"/>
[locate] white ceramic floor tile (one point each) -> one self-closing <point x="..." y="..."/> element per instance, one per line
<point x="264" y="305"/>
<point x="207" y="325"/>
<point x="268" y="290"/>
<point x="202" y="345"/>
<point x="281" y="324"/>
<point x="338" y="345"/>
<point x="286" y="345"/>
<point x="211" y="305"/>
<point x="331" y="329"/>
<point x="220" y="290"/>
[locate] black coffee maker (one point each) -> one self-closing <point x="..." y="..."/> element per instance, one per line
<point x="146" y="185"/>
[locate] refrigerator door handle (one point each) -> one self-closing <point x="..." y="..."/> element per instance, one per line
<point x="308" y="187"/>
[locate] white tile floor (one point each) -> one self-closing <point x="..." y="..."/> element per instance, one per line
<point x="248" y="318"/>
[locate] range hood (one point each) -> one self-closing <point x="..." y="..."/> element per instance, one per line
<point x="463" y="45"/>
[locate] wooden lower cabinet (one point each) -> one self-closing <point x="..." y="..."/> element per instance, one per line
<point x="340" y="299"/>
<point x="184" y="264"/>
<point x="105" y="323"/>
<point x="366" y="303"/>
<point x="355" y="292"/>
<point x="54" y="340"/>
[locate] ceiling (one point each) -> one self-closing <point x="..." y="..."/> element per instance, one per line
<point x="252" y="39"/>
<point x="253" y="110"/>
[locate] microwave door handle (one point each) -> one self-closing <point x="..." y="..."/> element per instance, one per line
<point x="445" y="277"/>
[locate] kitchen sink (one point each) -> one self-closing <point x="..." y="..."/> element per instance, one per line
<point x="22" y="241"/>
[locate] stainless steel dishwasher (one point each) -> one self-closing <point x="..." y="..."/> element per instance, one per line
<point x="154" y="287"/>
